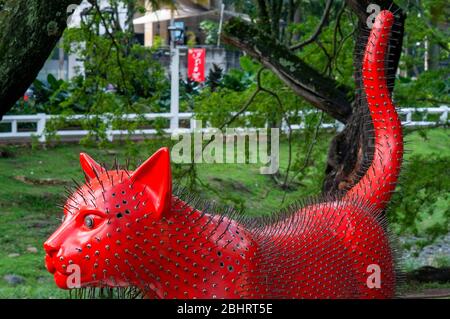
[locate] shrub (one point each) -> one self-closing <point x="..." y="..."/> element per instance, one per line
<point x="421" y="205"/>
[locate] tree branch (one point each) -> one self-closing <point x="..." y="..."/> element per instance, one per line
<point x="316" y="33"/>
<point x="322" y="92"/>
<point x="350" y="153"/>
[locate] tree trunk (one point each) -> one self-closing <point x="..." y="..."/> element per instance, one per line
<point x="351" y="151"/>
<point x="30" y="31"/>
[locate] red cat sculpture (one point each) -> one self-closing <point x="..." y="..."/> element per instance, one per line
<point x="127" y="229"/>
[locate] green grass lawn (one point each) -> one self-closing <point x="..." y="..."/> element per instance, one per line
<point x="29" y="213"/>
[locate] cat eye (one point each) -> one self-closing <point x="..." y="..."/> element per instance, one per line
<point x="89" y="222"/>
<point x="92" y="218"/>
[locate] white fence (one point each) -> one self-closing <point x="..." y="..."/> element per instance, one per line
<point x="39" y="123"/>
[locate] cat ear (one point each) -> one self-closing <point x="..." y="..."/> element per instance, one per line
<point x="90" y="167"/>
<point x="156" y="174"/>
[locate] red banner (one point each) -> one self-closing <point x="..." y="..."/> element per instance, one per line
<point x="196" y="64"/>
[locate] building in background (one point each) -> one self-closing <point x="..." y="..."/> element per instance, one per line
<point x="151" y="28"/>
<point x="188" y="14"/>
<point x="65" y="66"/>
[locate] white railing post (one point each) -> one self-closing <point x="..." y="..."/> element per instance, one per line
<point x="109" y="130"/>
<point x="193" y="125"/>
<point x="14" y="127"/>
<point x="174" y="89"/>
<point x="284" y="126"/>
<point x="339" y="126"/>
<point x="444" y="117"/>
<point x="409" y="116"/>
<point x="42" y="120"/>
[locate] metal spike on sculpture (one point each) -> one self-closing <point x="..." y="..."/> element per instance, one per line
<point x="128" y="230"/>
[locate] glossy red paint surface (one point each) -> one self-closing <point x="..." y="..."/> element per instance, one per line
<point x="381" y="177"/>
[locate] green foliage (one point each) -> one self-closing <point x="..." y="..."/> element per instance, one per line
<point x="340" y="67"/>
<point x="211" y="29"/>
<point x="431" y="88"/>
<point x="188" y="91"/>
<point x="216" y="106"/>
<point x="214" y="78"/>
<point x="270" y="102"/>
<point x="240" y="79"/>
<point x="426" y="36"/>
<point x="48" y="95"/>
<point x="421" y="205"/>
<point x="120" y="76"/>
<point x="119" y="79"/>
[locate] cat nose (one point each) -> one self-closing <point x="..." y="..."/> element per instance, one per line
<point x="50" y="248"/>
<point x="54" y="242"/>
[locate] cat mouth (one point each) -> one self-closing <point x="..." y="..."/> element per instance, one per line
<point x="60" y="277"/>
<point x="61" y="280"/>
<point x="49" y="264"/>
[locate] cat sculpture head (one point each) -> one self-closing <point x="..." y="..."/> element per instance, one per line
<point x="106" y="220"/>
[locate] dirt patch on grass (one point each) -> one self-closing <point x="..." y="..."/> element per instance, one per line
<point x="41" y="181"/>
<point x="236" y="185"/>
<point x="46" y="203"/>
<point x="5" y="153"/>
